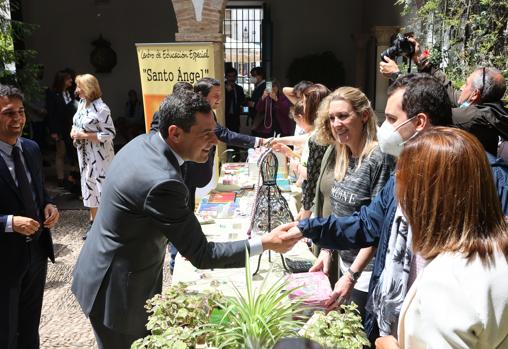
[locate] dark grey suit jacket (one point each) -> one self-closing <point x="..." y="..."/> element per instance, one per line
<point x="143" y="204"/>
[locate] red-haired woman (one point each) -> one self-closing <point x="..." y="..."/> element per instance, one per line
<point x="460" y="298"/>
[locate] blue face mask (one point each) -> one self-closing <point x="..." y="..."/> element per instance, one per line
<point x="465" y="105"/>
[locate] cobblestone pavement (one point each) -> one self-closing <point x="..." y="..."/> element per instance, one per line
<point x="63" y="324"/>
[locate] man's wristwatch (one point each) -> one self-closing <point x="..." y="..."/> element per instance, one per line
<point x="354" y="276"/>
<point x="394" y="76"/>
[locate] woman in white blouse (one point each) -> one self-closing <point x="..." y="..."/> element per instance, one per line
<point x="460" y="298"/>
<point x="93" y="132"/>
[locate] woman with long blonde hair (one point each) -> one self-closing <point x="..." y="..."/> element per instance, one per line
<point x="353" y="171"/>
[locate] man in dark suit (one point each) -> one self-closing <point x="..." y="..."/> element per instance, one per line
<point x="198" y="175"/>
<point x="145" y="205"/>
<point x="258" y="76"/>
<point x="235" y="99"/>
<point x="26" y="214"/>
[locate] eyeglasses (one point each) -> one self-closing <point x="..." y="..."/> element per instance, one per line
<point x="12" y="113"/>
<point x="483" y="82"/>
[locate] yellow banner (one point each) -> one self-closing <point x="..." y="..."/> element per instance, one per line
<point x="163" y="65"/>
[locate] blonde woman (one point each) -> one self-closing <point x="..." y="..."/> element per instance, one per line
<point x="353" y="171"/>
<point x="93" y="132"/>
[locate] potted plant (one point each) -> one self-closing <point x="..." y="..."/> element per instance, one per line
<point x="337" y="329"/>
<point x="177" y="318"/>
<point x="256" y="319"/>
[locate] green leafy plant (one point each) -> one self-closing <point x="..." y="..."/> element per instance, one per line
<point x="258" y="318"/>
<point x="177" y="318"/>
<point x="13" y="53"/>
<point x="468" y="33"/>
<point x="337" y="329"/>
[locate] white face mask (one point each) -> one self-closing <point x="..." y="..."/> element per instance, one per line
<point x="390" y="140"/>
<point x="253" y="80"/>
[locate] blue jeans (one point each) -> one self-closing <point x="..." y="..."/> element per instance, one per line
<point x="172" y="252"/>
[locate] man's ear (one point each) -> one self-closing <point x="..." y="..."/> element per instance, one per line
<point x="175" y="133"/>
<point x="421" y="121"/>
<point x="476" y="96"/>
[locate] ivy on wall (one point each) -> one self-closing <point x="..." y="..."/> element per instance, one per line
<point x="463" y="34"/>
<point x="17" y="65"/>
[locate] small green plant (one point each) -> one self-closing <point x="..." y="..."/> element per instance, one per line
<point x="177" y="318"/>
<point x="258" y="318"/>
<point x="338" y="330"/>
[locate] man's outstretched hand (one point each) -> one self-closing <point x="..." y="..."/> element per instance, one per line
<point x="290" y="232"/>
<point x="274" y="241"/>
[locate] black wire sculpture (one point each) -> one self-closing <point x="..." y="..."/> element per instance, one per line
<point x="270" y="207"/>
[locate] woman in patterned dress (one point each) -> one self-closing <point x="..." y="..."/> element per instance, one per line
<point x="92" y="132"/>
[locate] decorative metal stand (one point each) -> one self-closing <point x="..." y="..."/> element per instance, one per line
<point x="270" y="207"/>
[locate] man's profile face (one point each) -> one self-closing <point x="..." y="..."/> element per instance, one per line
<point x="397" y="117"/>
<point x="12" y="119"/>
<point x="200" y="139"/>
<point x="214" y="97"/>
<point x="467" y="89"/>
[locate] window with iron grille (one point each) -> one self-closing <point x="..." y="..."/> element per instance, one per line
<point x="242" y="50"/>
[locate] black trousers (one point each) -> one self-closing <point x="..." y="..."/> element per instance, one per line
<point x="21" y="301"/>
<point x="110" y="339"/>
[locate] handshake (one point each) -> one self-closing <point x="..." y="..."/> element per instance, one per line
<point x="283" y="238"/>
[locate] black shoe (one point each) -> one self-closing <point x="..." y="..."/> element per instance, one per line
<point x="90" y="227"/>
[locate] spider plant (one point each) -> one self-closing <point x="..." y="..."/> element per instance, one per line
<point x="256" y="319"/>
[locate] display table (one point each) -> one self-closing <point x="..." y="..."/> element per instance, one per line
<point x="231" y="229"/>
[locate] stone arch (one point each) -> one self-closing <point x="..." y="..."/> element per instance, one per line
<point x="199" y="20"/>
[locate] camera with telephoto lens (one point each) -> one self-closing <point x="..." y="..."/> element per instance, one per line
<point x="400" y="46"/>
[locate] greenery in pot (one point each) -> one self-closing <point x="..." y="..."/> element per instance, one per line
<point x="177" y="318"/>
<point x="258" y="318"/>
<point x="339" y="330"/>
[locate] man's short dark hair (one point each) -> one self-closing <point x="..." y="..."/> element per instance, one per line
<point x="204" y="86"/>
<point x="424" y="94"/>
<point x="230" y="70"/>
<point x="182" y="86"/>
<point x="180" y="109"/>
<point x="11" y="92"/>
<point x="258" y="71"/>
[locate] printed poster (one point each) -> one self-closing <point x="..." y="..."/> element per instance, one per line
<point x="162" y="65"/>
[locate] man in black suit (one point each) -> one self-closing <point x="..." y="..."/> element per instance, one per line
<point x="26" y="214"/>
<point x="144" y="204"/>
<point x="198" y="175"/>
<point x="258" y="76"/>
<point x="235" y="99"/>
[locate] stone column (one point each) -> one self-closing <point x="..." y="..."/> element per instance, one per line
<point x="382" y="35"/>
<point x="202" y="21"/>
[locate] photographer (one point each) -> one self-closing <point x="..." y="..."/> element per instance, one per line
<point x="273" y="113"/>
<point x="477" y="105"/>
